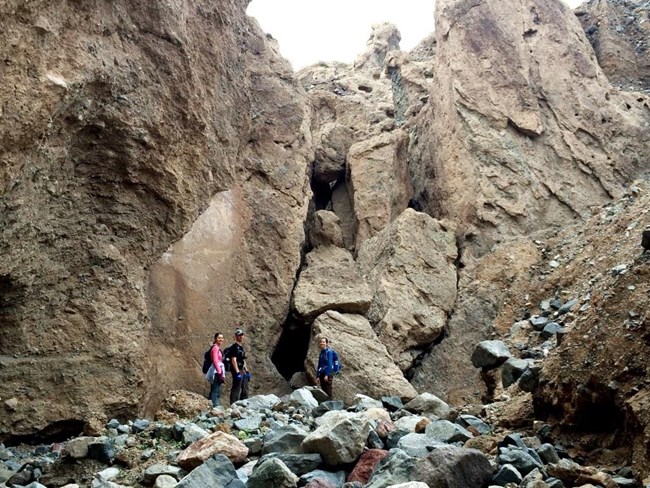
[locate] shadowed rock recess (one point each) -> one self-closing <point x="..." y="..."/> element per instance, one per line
<point x="462" y="221"/>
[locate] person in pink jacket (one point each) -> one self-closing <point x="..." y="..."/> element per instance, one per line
<point x="219" y="372"/>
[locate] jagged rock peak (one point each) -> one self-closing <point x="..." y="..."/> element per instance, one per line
<point x="384" y="38"/>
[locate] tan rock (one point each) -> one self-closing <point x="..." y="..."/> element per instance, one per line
<point x="410" y="266"/>
<point x="326" y="230"/>
<point x="131" y="140"/>
<point x="330" y="281"/>
<point x="616" y="30"/>
<point x="378" y="182"/>
<point x="342" y="207"/>
<point x="367" y="366"/>
<point x="216" y="443"/>
<point x="512" y="144"/>
<point x="332" y="143"/>
<point x="384" y="38"/>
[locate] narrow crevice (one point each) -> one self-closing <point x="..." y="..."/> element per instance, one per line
<point x="291" y="350"/>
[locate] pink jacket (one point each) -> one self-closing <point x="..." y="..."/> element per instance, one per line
<point x="217" y="360"/>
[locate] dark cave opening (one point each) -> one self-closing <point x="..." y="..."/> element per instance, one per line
<point x="291" y="350"/>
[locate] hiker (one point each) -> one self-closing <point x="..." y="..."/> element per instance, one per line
<point x="217" y="372"/>
<point x="328" y="365"/>
<point x="240" y="374"/>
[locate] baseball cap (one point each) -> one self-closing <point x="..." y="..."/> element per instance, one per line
<point x="239" y="332"/>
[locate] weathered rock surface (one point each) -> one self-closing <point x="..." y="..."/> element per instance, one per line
<point x="509" y="144"/>
<point x="326" y="230"/>
<point x="367" y="365"/>
<point x="340" y="439"/>
<point x="410" y="267"/>
<point x="378" y="182"/>
<point x="330" y="280"/>
<point x="216" y="443"/>
<point x="127" y="118"/>
<point x="618" y="32"/>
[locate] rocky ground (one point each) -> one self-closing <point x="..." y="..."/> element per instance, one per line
<point x="297" y="440"/>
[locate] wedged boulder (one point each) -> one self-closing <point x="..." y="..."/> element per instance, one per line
<point x="330" y="281"/>
<point x="350" y="98"/>
<point x="340" y="439"/>
<point x="410" y="267"/>
<point x="366" y="364"/>
<point x="326" y="230"/>
<point x="332" y="143"/>
<point x="378" y="182"/>
<point x="216" y="443"/>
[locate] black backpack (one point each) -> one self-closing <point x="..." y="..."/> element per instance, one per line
<point x="207" y="360"/>
<point x="227" y="356"/>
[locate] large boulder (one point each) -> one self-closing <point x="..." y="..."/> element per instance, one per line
<point x="340" y="439"/>
<point x="367" y="365"/>
<point x="378" y="182"/>
<point x="410" y="267"/>
<point x="330" y="280"/>
<point x="216" y="443"/>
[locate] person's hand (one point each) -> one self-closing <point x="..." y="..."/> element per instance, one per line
<point x="318" y="381"/>
<point x="248" y="375"/>
<point x="325" y="378"/>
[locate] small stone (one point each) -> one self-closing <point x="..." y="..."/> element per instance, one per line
<point x="140" y="425"/>
<point x="165" y="481"/>
<point x="12" y="404"/>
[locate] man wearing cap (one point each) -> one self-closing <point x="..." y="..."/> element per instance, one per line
<point x="240" y="374"/>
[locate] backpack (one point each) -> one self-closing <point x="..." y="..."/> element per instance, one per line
<point x="336" y="364"/>
<point x="207" y="360"/>
<point x="227" y="356"/>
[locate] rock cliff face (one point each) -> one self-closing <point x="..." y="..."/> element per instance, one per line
<point x="120" y="121"/>
<point x="158" y="175"/>
<point x="522" y="133"/>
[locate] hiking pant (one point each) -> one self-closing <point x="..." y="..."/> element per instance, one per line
<point x="215" y="392"/>
<point x="326" y="385"/>
<point x="239" y="388"/>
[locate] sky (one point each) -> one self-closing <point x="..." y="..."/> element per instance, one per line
<point x="309" y="31"/>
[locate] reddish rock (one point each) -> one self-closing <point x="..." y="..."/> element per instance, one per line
<point x="366" y="464"/>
